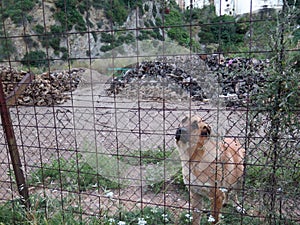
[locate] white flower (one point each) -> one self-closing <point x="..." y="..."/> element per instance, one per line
<point x="121" y="223"/>
<point x="165" y="217"/>
<point x="189" y="217"/>
<point x="142" y="221"/>
<point x="111" y="221"/>
<point x="154" y="210"/>
<point x="240" y="209"/>
<point x="223" y="190"/>
<point x="211" y="219"/>
<point x="109" y="194"/>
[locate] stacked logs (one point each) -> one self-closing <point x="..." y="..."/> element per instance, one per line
<point x="45" y="89"/>
<point x="10" y="78"/>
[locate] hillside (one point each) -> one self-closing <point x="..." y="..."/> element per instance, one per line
<point x="77" y="29"/>
<point x="33" y="31"/>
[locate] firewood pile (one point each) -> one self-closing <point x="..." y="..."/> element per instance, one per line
<point x="44" y="89"/>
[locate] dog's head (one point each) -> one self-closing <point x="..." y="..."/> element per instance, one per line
<point x="191" y="129"/>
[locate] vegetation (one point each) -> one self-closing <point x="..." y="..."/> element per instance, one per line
<point x="68" y="15"/>
<point x="145" y="157"/>
<point x="17" y="10"/>
<point x="225" y="31"/>
<point x="35" y="58"/>
<point x="117" y="10"/>
<point x="116" y="40"/>
<point x="276" y="110"/>
<point x="46" y="210"/>
<point x="7" y="48"/>
<point x="177" y="30"/>
<point x="71" y="175"/>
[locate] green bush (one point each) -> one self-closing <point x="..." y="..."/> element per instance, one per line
<point x="68" y="15"/>
<point x="106" y="48"/>
<point x="225" y="31"/>
<point x="39" y="29"/>
<point x="17" y="10"/>
<point x="275" y="110"/>
<point x="116" y="11"/>
<point x="7" y="48"/>
<point x="35" y="58"/>
<point x="107" y="37"/>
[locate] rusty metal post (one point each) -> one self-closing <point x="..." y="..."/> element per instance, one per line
<point x="13" y="149"/>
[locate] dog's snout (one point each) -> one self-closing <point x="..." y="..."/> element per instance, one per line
<point x="181" y="134"/>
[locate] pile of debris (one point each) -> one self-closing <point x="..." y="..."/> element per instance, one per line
<point x="239" y="78"/>
<point x="156" y="80"/>
<point x="201" y="78"/>
<point x="44" y="89"/>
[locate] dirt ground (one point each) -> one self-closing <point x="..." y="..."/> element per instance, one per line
<point x="94" y="124"/>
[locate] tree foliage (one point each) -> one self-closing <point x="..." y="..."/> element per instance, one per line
<point x="17" y="10"/>
<point x="35" y="58"/>
<point x="223" y="30"/>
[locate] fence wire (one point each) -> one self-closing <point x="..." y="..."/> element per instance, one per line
<point x="105" y="127"/>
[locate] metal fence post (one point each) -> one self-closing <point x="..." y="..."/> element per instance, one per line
<point x="13" y="149"/>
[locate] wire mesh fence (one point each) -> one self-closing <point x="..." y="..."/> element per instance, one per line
<point x="102" y="98"/>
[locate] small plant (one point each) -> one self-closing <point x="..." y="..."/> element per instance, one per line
<point x="148" y="215"/>
<point x="151" y="156"/>
<point x="44" y="211"/>
<point x="71" y="174"/>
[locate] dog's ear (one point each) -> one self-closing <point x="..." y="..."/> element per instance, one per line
<point x="206" y="130"/>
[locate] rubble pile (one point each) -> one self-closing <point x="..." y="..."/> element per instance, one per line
<point x="238" y="78"/>
<point x="179" y="77"/>
<point x="156" y="80"/>
<point x="45" y="89"/>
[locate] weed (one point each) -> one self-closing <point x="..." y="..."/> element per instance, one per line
<point x="144" y="157"/>
<point x="71" y="175"/>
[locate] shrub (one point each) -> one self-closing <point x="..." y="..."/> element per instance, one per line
<point x="35" y="58"/>
<point x="39" y="29"/>
<point x="68" y="15"/>
<point x="7" y="48"/>
<point x="17" y="10"/>
<point x="107" y="37"/>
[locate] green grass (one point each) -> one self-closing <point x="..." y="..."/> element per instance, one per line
<point x="144" y="157"/>
<point x="48" y="211"/>
<point x="72" y="175"/>
<point x="44" y="211"/>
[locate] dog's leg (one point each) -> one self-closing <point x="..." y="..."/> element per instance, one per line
<point x="216" y="197"/>
<point x="196" y="200"/>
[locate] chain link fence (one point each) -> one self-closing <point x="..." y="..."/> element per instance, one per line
<point x="96" y="119"/>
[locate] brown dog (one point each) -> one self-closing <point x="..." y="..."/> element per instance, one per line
<point x="208" y="168"/>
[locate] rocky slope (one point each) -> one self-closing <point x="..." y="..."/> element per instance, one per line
<point x="41" y="30"/>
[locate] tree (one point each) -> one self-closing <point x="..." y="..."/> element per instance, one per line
<point x="223" y="30"/>
<point x="35" y="58"/>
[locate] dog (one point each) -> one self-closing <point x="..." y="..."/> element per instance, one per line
<point x="209" y="168"/>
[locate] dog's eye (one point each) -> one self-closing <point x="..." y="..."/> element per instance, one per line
<point x="194" y="125"/>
